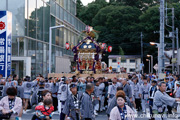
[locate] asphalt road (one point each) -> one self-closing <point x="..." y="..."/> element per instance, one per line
<point x="101" y="116"/>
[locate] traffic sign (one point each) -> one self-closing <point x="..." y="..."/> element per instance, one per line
<point x="174" y="60"/>
<point x="118" y="66"/>
<point x="110" y="68"/>
<point x="156" y="67"/>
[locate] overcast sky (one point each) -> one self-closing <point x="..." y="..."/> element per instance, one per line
<point x="85" y="2"/>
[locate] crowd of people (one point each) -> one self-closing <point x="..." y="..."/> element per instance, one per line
<point x="83" y="98"/>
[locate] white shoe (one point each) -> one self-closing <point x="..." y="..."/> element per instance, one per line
<point x="24" y="112"/>
<point x="95" y="113"/>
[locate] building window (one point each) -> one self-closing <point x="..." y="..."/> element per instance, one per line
<point x="132" y="60"/>
<point x="123" y="61"/>
<point x="114" y="60"/>
<point x="132" y="70"/>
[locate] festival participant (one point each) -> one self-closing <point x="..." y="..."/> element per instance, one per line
<point x="101" y="93"/>
<point x="87" y="110"/>
<point x="82" y="85"/>
<point x="136" y="90"/>
<point x="127" y="89"/>
<point x="27" y="85"/>
<point x="152" y="92"/>
<point x="72" y="104"/>
<point x="96" y="99"/>
<point x="144" y="90"/>
<point x="161" y="100"/>
<point x="64" y="92"/>
<point x="112" y="89"/>
<point x="37" y="96"/>
<point x="14" y="81"/>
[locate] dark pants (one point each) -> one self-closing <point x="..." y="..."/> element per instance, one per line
<point x="35" y="118"/>
<point x="106" y="101"/>
<point x="169" y="109"/>
<point x="87" y="119"/>
<point x="150" y="107"/>
<point x="55" y="103"/>
<point x="138" y="104"/>
<point x="62" y="115"/>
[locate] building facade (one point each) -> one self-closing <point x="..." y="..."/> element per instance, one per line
<point x="127" y="63"/>
<point x="30" y="33"/>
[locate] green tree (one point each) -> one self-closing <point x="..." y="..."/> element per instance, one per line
<point x="119" y="26"/>
<point x="79" y="7"/>
<point x="89" y="11"/>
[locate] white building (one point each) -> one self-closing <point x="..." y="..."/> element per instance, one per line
<point x="131" y="63"/>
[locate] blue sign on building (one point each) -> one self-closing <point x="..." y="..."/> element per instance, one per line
<point x="5" y="42"/>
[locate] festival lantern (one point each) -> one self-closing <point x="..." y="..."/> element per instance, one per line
<point x="67" y="46"/>
<point x="103" y="45"/>
<point x="109" y="48"/>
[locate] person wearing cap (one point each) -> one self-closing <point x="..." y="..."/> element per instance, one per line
<point x="161" y="101"/>
<point x="144" y="90"/>
<point x="152" y="92"/>
<point x="72" y="104"/>
<point x="86" y="107"/>
<point x="121" y="111"/>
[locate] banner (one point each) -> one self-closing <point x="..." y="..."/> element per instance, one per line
<point x="5" y="42"/>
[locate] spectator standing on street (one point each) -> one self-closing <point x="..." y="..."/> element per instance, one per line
<point x="44" y="112"/>
<point x="11" y="103"/>
<point x="121" y="111"/>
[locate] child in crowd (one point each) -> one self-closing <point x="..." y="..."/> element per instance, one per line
<point x="44" y="112"/>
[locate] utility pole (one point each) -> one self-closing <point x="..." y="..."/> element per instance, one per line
<point x="173" y="40"/>
<point x="161" y="47"/>
<point x="177" y="42"/>
<point x="142" y="50"/>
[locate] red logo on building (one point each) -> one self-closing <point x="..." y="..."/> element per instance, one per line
<point x="2" y="25"/>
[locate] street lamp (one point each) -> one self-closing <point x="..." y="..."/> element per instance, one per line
<point x="151" y="62"/>
<point x="153" y="43"/>
<point x="159" y="65"/>
<point x="50" y="43"/>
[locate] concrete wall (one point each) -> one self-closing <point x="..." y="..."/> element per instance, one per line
<point x="63" y="65"/>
